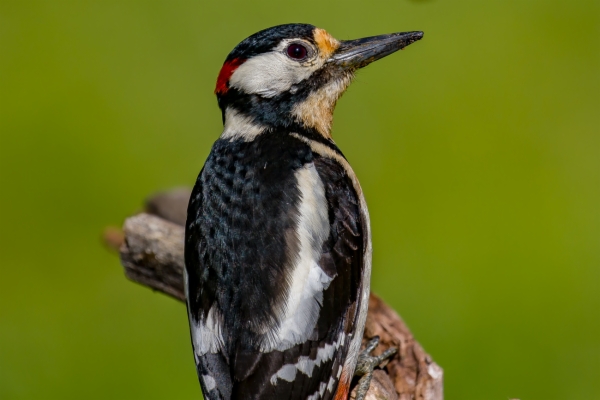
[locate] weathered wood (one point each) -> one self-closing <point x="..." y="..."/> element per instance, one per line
<point x="151" y="249"/>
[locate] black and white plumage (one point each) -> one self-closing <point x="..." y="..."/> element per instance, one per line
<point x="277" y="245"/>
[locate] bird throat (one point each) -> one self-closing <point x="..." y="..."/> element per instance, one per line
<point x="316" y="111"/>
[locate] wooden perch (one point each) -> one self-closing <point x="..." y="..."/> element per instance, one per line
<point x="152" y="253"/>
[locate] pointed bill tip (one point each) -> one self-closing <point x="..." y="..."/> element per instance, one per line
<point x="358" y="53"/>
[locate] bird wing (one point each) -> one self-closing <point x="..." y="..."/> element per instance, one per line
<point x="199" y="283"/>
<point x="283" y="364"/>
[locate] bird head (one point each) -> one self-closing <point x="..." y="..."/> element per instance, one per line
<point x="291" y="76"/>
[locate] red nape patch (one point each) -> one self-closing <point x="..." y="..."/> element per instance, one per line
<point x="226" y="71"/>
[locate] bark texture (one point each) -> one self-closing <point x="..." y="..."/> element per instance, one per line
<point x="151" y="249"/>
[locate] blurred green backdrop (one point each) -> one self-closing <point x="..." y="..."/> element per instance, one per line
<point x="478" y="149"/>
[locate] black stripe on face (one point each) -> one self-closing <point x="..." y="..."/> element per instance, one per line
<point x="276" y="111"/>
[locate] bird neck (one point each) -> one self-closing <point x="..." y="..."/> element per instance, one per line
<point x="239" y="125"/>
<point x="307" y="107"/>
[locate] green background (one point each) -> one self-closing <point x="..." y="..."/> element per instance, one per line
<point x="478" y="149"/>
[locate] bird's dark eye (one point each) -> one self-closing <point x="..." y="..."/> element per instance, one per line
<point x="297" y="51"/>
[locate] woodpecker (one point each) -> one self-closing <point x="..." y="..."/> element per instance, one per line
<point x="277" y="241"/>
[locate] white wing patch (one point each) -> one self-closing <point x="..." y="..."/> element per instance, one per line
<point x="209" y="382"/>
<point x="298" y="315"/>
<point x="207" y="333"/>
<point x="359" y="327"/>
<point x="319" y="393"/>
<point x="306" y="365"/>
<point x="331" y="384"/>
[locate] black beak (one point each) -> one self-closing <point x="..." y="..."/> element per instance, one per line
<point x="354" y="54"/>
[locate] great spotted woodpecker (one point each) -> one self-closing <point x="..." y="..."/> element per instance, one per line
<point x="277" y="242"/>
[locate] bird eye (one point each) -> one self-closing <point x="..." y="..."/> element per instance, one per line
<point x="297" y="51"/>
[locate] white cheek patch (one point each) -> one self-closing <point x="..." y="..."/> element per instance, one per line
<point x="299" y="313"/>
<point x="270" y="74"/>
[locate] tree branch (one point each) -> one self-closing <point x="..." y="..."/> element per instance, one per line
<point x="152" y="253"/>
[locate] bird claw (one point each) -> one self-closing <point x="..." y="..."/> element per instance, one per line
<point x="367" y="363"/>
